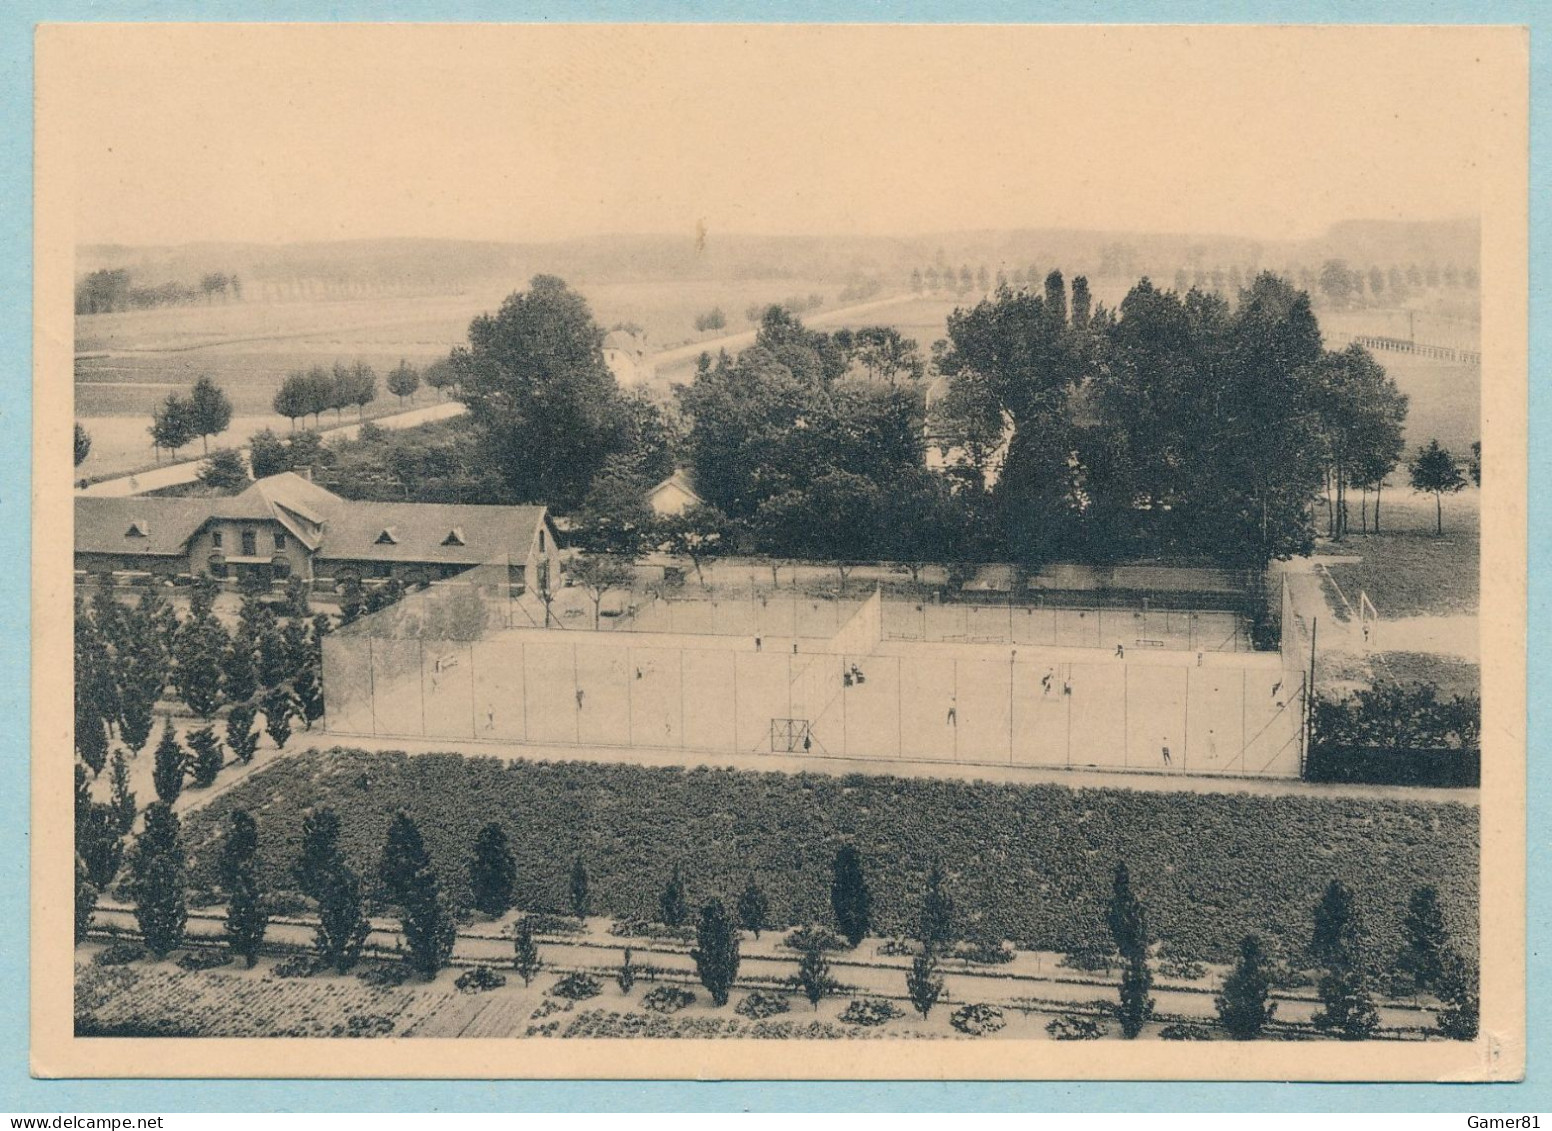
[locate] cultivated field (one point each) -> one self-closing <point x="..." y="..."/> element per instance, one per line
<point x="1030" y="864"/>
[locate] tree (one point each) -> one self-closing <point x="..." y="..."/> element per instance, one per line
<point x="884" y="353"/>
<point x="673" y="906"/>
<point x="210" y="410"/>
<point x="1458" y="990"/>
<point x="352" y="599"/>
<point x="1243" y="1006"/>
<point x="307" y="687"/>
<point x="1426" y="942"/>
<point x="246" y="918"/>
<point x="1337" y="945"/>
<point x="403" y="858"/>
<point x="753" y="908"/>
<point x="403" y="380"/>
<point x="320" y="851"/>
<point x="172" y="424"/>
<point x="716" y="951"/>
<point x="439" y="376"/>
<point x="924" y="981"/>
<point x="1082" y="303"/>
<point x="429" y="930"/>
<point x="492" y="871"/>
<point x="699" y="532"/>
<point x="1474" y="464"/>
<point x="525" y="955"/>
<point x="293" y="400"/>
<point x="1434" y="470"/>
<point x="240" y="735"/>
<point x="123" y="803"/>
<point x="208" y="760"/>
<point x="239" y="665"/>
<point x="625" y="977"/>
<point x="579" y="884"/>
<point x="199" y="648"/>
<point x="615" y="517"/>
<point x="85" y="901"/>
<point x="278" y="708"/>
<point x="99" y="842"/>
<point x="598" y="574"/>
<point x="83" y="444"/>
<point x="1128" y="922"/>
<point x="91" y="738"/>
<point x="342" y="928"/>
<point x="937" y="921"/>
<point x="224" y="470"/>
<point x="157" y="881"/>
<point x="814" y="975"/>
<point x="546" y="407"/>
<point x="849" y="896"/>
<point x="170" y="766"/>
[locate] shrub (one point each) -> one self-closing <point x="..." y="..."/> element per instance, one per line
<point x="299" y="966"/>
<point x="1184" y="969"/>
<point x="1089" y="960"/>
<point x="546" y="924"/>
<point x="978" y="1019"/>
<point x="986" y="951"/>
<point x="205" y="959"/>
<point x="1182" y="1031"/>
<point x="577" y="987"/>
<point x="385" y="974"/>
<point x="897" y="948"/>
<point x="814" y="938"/>
<point x="364" y="1025"/>
<point x="1073" y="1027"/>
<point x="644" y="929"/>
<point x="759" y="1005"/>
<point x="479" y="979"/>
<point x="870" y="1011"/>
<point x="667" y="999"/>
<point x="120" y="954"/>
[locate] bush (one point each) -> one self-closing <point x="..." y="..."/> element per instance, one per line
<point x="978" y="1019"/>
<point x="577" y="987"/>
<point x="667" y="999"/>
<point x="870" y="1011"/>
<point x="898" y="948"/>
<point x="385" y="973"/>
<point x="120" y="954"/>
<point x="1074" y="1027"/>
<point x="1090" y="961"/>
<point x="300" y="966"/>
<point x="479" y="979"/>
<point x="364" y="1025"/>
<point x="1185" y="1032"/>
<point x="546" y="924"/>
<point x="645" y="929"/>
<point x="985" y="951"/>
<point x="759" y="1005"/>
<point x="814" y="938"/>
<point x="1182" y="968"/>
<point x="206" y="958"/>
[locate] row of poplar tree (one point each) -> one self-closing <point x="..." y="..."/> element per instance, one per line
<point x="409" y="882"/>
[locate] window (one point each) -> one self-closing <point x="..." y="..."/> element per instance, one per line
<point x="454" y="537"/>
<point x="137" y="529"/>
<point x="250" y="544"/>
<point x="388" y="537"/>
<point x="541" y="540"/>
<point x="280" y="539"/>
<point x="215" y="539"/>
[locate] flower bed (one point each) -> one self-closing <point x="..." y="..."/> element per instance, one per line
<point x="479" y="979"/>
<point x="667" y="999"/>
<point x="759" y="1005"/>
<point x="577" y="987"/>
<point x="870" y="1011"/>
<point x="1074" y="1027"/>
<point x="977" y="1020"/>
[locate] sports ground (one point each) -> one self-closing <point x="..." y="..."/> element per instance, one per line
<point x="1173" y="692"/>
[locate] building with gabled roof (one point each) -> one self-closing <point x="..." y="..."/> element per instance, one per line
<point x="287" y="526"/>
<point x="674" y="495"/>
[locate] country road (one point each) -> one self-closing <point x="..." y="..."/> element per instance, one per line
<point x="176" y="474"/>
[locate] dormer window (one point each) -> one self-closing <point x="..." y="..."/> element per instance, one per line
<point x="454" y="537"/>
<point x="388" y="537"/>
<point x="138" y="529"/>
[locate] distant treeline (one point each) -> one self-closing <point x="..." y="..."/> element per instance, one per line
<point x="109" y="291"/>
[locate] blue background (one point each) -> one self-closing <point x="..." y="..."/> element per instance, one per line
<point x="19" y="1093"/>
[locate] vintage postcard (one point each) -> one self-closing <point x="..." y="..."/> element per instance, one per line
<point x="652" y="550"/>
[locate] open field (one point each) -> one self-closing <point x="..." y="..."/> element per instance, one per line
<point x="1033" y="861"/>
<point x="1408" y="570"/>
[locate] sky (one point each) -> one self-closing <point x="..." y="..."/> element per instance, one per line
<point x="279" y="133"/>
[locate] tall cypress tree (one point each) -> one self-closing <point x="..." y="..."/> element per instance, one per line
<point x="404" y="856"/>
<point x="172" y="762"/>
<point x="937" y="924"/>
<point x="849" y="896"/>
<point x="1427" y="940"/>
<point x="246" y="918"/>
<point x="673" y="905"/>
<point x="492" y="871"/>
<point x="157" y="881"/>
<point x="924" y="981"/>
<point x="1128" y="921"/>
<point x="753" y="908"/>
<point x="579" y="888"/>
<point x="85" y="900"/>
<point x="429" y="930"/>
<point x="320" y="851"/>
<point x="1243" y="1007"/>
<point x="342" y="928"/>
<point x="525" y="955"/>
<point x="716" y="952"/>
<point x="1337" y="944"/>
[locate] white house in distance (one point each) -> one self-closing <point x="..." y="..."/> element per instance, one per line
<point x="674" y="495"/>
<point x="626" y="355"/>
